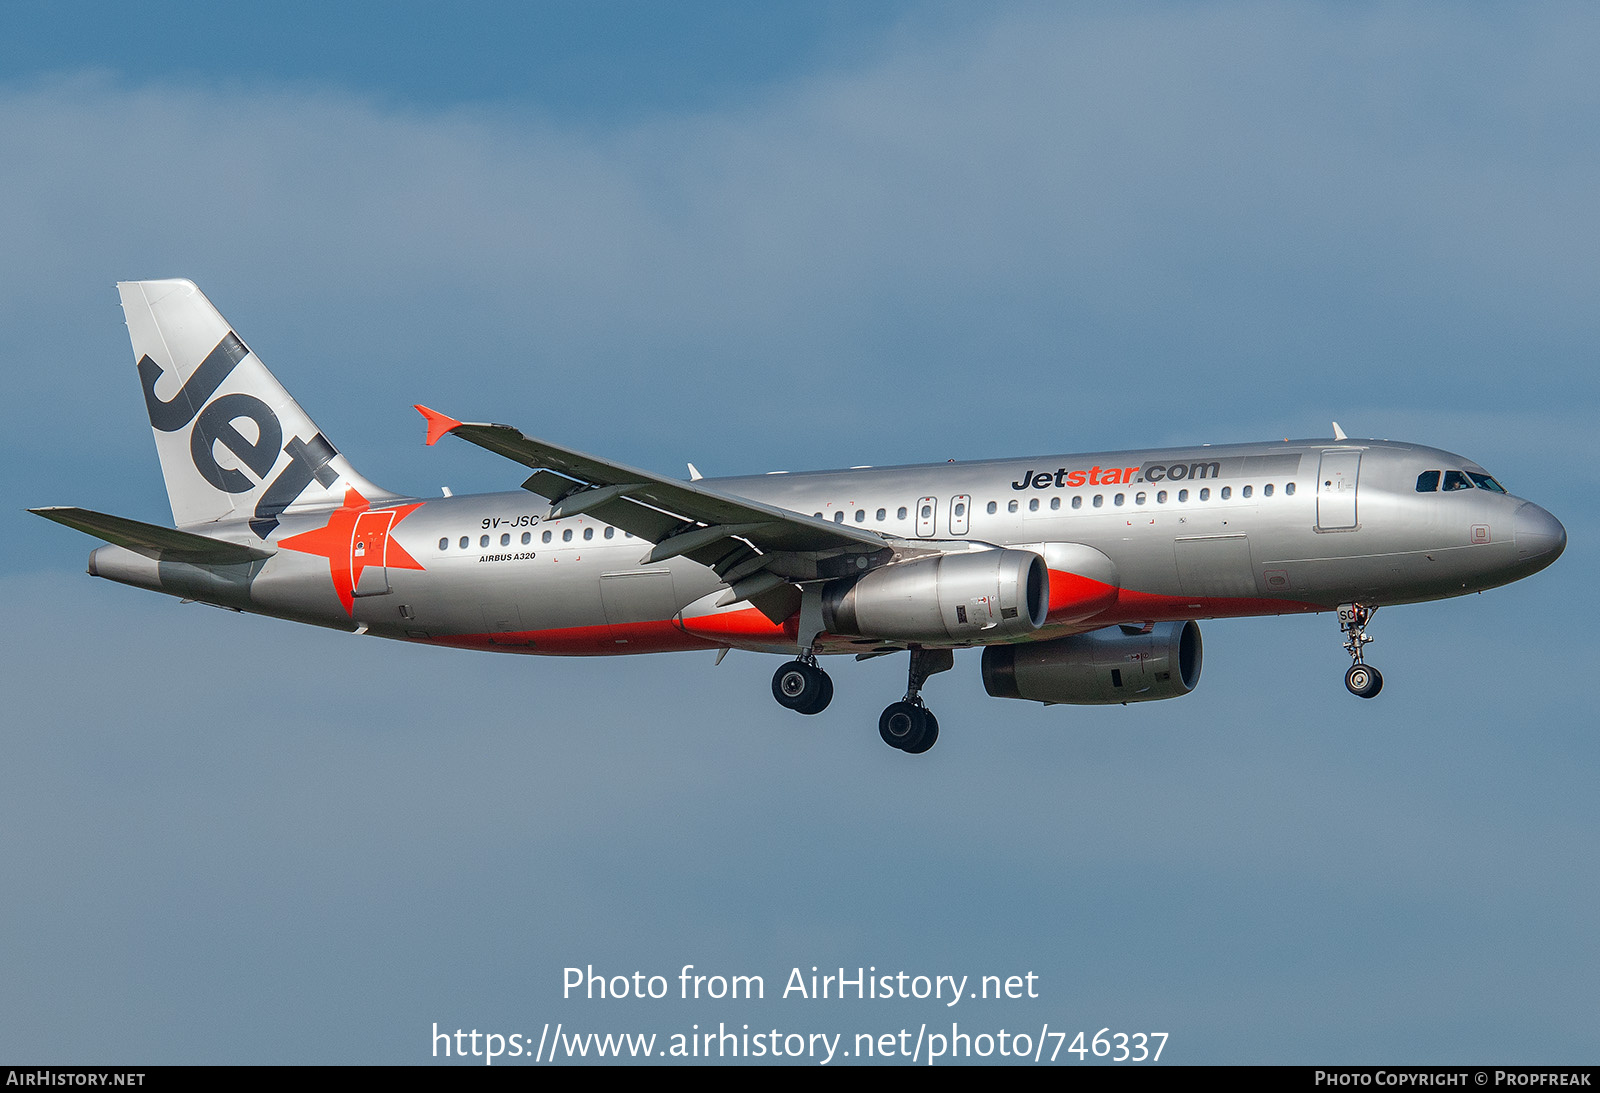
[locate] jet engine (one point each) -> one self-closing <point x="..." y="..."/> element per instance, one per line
<point x="982" y="595"/>
<point x="1117" y="664"/>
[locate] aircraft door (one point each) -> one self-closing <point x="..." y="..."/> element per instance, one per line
<point x="1336" y="490"/>
<point x="927" y="516"/>
<point x="369" y="553"/>
<point x="960" y="513"/>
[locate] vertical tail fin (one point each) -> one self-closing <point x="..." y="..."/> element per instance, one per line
<point x="233" y="444"/>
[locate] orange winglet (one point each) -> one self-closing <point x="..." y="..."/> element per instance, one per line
<point x="438" y="424"/>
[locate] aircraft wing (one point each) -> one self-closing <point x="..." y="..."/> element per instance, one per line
<point x="152" y="540"/>
<point x="680" y="518"/>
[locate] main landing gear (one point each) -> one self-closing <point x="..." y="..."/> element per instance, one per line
<point x="801" y="685"/>
<point x="908" y="724"/>
<point x="1362" y="680"/>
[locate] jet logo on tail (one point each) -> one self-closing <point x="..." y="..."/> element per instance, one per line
<point x="308" y="459"/>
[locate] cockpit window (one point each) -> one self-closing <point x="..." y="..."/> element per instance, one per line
<point x="1456" y="480"/>
<point x="1484" y="482"/>
<point x="1427" y="481"/>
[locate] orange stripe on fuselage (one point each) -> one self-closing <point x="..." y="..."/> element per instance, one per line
<point x="1087" y="603"/>
<point x="1088" y="600"/>
<point x="744" y="626"/>
<point x="583" y="641"/>
<point x="1073" y="597"/>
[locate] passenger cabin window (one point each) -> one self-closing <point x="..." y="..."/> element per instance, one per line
<point x="1288" y="489"/>
<point x="1227" y="492"/>
<point x="566" y="536"/>
<point x="505" y="540"/>
<point x="444" y="544"/>
<point x="609" y="532"/>
<point x="1011" y="506"/>
<point x="993" y="508"/>
<point x="1099" y="500"/>
<point x="901" y="514"/>
<point x="1055" y="503"/>
<point x="545" y="538"/>
<point x="1266" y="491"/>
<point x="882" y="515"/>
<point x="463" y="542"/>
<point x="1077" y="502"/>
<point x="838" y="517"/>
<point x="1161" y="497"/>
<point x="527" y="537"/>
<point x="1247" y="491"/>
<point x="1033" y="504"/>
<point x="861" y="516"/>
<point x="588" y="533"/>
<point x="483" y="540"/>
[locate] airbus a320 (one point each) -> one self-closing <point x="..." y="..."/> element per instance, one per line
<point x="1080" y="576"/>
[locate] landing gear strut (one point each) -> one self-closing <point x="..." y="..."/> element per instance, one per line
<point x="801" y="685"/>
<point x="908" y="724"/>
<point x="1362" y="680"/>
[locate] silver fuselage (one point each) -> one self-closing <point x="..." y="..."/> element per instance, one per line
<point x="1177" y="533"/>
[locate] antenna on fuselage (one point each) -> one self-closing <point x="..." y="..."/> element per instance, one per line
<point x="1338" y="433"/>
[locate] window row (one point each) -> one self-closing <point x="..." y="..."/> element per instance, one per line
<point x="1098" y="500"/>
<point x="1142" y="497"/>
<point x="527" y="537"/>
<point x="861" y="515"/>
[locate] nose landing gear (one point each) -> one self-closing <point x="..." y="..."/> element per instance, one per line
<point x="1362" y="680"/>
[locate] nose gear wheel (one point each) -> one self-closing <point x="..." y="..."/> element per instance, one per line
<point x="1362" y="680"/>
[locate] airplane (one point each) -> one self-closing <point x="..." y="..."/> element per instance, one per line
<point x="1080" y="576"/>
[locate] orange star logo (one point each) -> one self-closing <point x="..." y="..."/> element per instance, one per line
<point x="355" y="537"/>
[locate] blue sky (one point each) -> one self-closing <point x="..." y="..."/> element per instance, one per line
<point x="790" y="236"/>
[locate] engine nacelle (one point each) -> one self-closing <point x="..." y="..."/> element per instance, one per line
<point x="1104" y="666"/>
<point x="983" y="595"/>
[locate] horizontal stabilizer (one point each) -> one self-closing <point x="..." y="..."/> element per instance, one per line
<point x="152" y="541"/>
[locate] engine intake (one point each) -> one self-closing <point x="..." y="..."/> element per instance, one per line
<point x="984" y="595"/>
<point x="1101" y="667"/>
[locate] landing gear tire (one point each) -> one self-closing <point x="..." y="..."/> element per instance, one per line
<point x="930" y="735"/>
<point x="908" y="727"/>
<point x="802" y="687"/>
<point x="824" y="698"/>
<point x="1363" y="680"/>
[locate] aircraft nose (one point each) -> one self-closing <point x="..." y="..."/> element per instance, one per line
<point x="1540" y="536"/>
